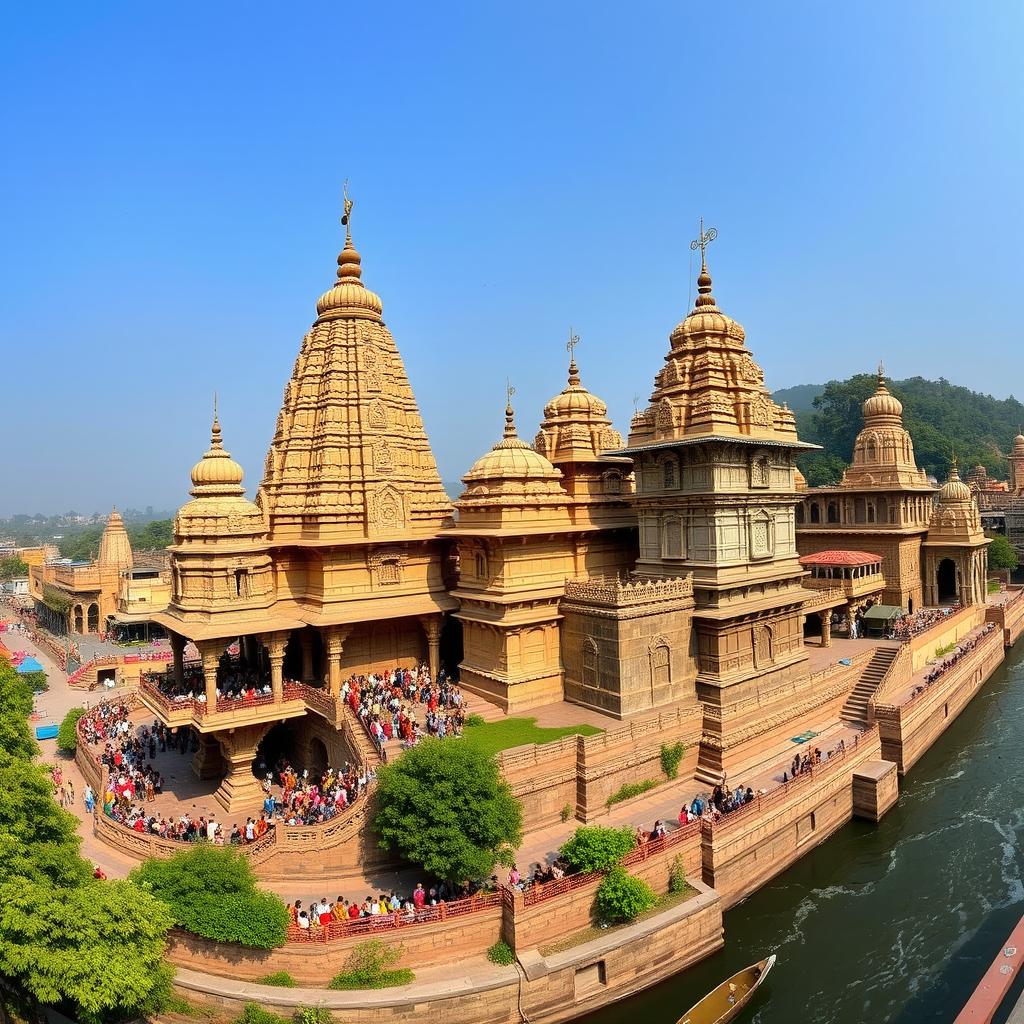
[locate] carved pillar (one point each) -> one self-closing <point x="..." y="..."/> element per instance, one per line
<point x="432" y="629"/>
<point x="240" y="790"/>
<point x="210" y="652"/>
<point x="306" y="640"/>
<point x="207" y="762"/>
<point x="178" y="651"/>
<point x="336" y="637"/>
<point x="276" y="643"/>
<point x="826" y="627"/>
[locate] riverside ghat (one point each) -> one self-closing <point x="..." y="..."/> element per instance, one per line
<point x="737" y="664"/>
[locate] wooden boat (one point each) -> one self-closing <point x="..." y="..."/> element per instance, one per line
<point x="725" y="1002"/>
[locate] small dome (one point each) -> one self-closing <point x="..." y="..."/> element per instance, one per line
<point x="511" y="459"/>
<point x="216" y="468"/>
<point x="954" y="489"/>
<point x="882" y="404"/>
<point x="349" y="296"/>
<point x="1018" y="445"/>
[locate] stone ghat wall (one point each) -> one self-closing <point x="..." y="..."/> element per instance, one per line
<point x="1009" y="616"/>
<point x="581" y="772"/>
<point x="550" y="989"/>
<point x="909" y="729"/>
<point x="950" y="631"/>
<point x="753" y="845"/>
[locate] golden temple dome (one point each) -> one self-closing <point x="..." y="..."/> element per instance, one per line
<point x="512" y="459"/>
<point x="954" y="490"/>
<point x="575" y="398"/>
<point x="1018" y="444"/>
<point x="348" y="296"/>
<point x="882" y="404"/>
<point x="216" y="472"/>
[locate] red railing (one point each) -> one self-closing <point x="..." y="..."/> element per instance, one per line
<point x="365" y="926"/>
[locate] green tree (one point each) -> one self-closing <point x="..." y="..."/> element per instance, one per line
<point x="15" y="707"/>
<point x="67" y="735"/>
<point x="211" y="891"/>
<point x="98" y="945"/>
<point x="12" y="568"/>
<point x="1001" y="554"/>
<point x="157" y="534"/>
<point x="622" y="896"/>
<point x="597" y="847"/>
<point x="445" y="807"/>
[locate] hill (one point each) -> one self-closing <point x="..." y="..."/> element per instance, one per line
<point x="799" y="398"/>
<point x="941" y="417"/>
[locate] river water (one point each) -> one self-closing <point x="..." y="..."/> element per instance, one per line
<point x="894" y="922"/>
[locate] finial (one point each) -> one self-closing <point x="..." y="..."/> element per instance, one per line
<point x="702" y="241"/>
<point x="636" y="404"/>
<point x="215" y="434"/>
<point x="510" y="422"/>
<point x="570" y="346"/>
<point x="348" y="259"/>
<point x="881" y="372"/>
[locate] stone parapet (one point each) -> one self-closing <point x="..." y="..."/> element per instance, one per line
<point x="875" y="789"/>
<point x="626" y="596"/>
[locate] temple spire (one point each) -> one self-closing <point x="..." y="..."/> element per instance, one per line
<point x="570" y="346"/>
<point x="510" y="416"/>
<point x="702" y="241"/>
<point x="348" y="259"/>
<point x="216" y="438"/>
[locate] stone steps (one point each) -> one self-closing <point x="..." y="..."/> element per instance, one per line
<point x="855" y="710"/>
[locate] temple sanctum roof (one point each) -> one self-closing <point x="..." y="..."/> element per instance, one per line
<point x="350" y="460"/>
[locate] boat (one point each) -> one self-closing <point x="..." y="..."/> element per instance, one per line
<point x="725" y="1002"/>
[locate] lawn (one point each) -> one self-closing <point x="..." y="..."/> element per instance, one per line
<point x="514" y="732"/>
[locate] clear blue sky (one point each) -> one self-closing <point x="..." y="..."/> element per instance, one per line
<point x="171" y="184"/>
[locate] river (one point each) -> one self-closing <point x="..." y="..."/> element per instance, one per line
<point x="894" y="922"/>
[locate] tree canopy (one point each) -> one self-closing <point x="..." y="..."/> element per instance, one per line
<point x="84" y="545"/>
<point x="1001" y="554"/>
<point x="444" y="806"/>
<point x="12" y="567"/>
<point x="597" y="847"/>
<point x="941" y="418"/>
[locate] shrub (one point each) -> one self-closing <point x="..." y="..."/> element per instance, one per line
<point x="622" y="896"/>
<point x="36" y="681"/>
<point x="566" y="813"/>
<point x="67" y="735"/>
<point x="670" y="758"/>
<point x="255" y="1014"/>
<point x="597" y="847"/>
<point x="629" y="790"/>
<point x="212" y="892"/>
<point x="475" y="720"/>
<point x="282" y="979"/>
<point x="312" y="1015"/>
<point x="370" y="965"/>
<point x="677" y="875"/>
<point x="446" y="808"/>
<point x="501" y="953"/>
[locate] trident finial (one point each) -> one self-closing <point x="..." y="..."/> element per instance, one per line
<point x="215" y="405"/>
<point x="881" y="370"/>
<point x="509" y="392"/>
<point x="570" y="345"/>
<point x="346" y="220"/>
<point x="702" y="241"/>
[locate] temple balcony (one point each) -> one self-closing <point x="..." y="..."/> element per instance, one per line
<point x="853" y="574"/>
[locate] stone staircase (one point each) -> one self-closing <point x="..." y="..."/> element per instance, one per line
<point x="855" y="710"/>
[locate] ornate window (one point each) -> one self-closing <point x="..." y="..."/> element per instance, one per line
<point x="762" y="535"/>
<point x="669" y="475"/>
<point x="387" y="566"/>
<point x="480" y="565"/>
<point x="763" y="642"/>
<point x="760" y="472"/>
<point x="672" y="539"/>
<point x="591" y="663"/>
<point x="612" y="482"/>
<point x="661" y="664"/>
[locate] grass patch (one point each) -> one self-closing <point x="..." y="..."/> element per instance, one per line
<point x="629" y="790"/>
<point x="491" y="737"/>
<point x="667" y="902"/>
<point x="255" y="1014"/>
<point x="993" y="586"/>
<point x="371" y="965"/>
<point x="942" y="651"/>
<point x="501" y="953"/>
<point x="282" y="979"/>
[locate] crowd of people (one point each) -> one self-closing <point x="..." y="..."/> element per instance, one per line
<point x="962" y="650"/>
<point x="390" y="706"/>
<point x="907" y="626"/>
<point x="235" y="682"/>
<point x="310" y="801"/>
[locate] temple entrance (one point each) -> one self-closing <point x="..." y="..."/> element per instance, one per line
<point x="945" y="580"/>
<point x="812" y="626"/>
<point x="94" y="618"/>
<point x="317" y="758"/>
<point x="451" y="646"/>
<point x="280" y="743"/>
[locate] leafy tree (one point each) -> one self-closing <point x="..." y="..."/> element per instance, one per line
<point x="15" y="707"/>
<point x="211" y="891"/>
<point x="98" y="945"/>
<point x="445" y="807"/>
<point x="622" y="896"/>
<point x="67" y="735"/>
<point x="371" y="965"/>
<point x="597" y="847"/>
<point x="157" y="534"/>
<point x="1001" y="554"/>
<point x="255" y="1014"/>
<point x="12" y="567"/>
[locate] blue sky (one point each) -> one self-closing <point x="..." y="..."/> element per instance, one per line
<point x="171" y="186"/>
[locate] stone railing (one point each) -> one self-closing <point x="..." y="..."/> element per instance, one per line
<point x="368" y="927"/>
<point x="107" y="660"/>
<point x="898" y="673"/>
<point x="765" y="802"/>
<point x="614" y="591"/>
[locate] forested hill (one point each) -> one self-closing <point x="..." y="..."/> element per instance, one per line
<point x="941" y="417"/>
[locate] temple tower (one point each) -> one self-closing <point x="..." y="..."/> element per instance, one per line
<point x="115" y="547"/>
<point x="715" y="496"/>
<point x="1016" y="459"/>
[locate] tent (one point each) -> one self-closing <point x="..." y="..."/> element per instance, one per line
<point x="878" y="619"/>
<point x="30" y="664"/>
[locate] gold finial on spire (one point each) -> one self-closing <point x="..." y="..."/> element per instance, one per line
<point x="510" y="422"/>
<point x="702" y="241"/>
<point x="570" y="347"/>
<point x="216" y="442"/>
<point x="881" y="372"/>
<point x="348" y="259"/>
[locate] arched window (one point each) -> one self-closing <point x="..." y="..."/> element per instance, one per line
<point x="833" y="512"/>
<point x="661" y="665"/>
<point x="612" y="482"/>
<point x="815" y="512"/>
<point x="94" y="618"/>
<point x="871" y="512"/>
<point x="872" y="450"/>
<point x="763" y="641"/>
<point x="591" y="663"/>
<point x="669" y="475"/>
<point x="799" y="513"/>
<point x="480" y="565"/>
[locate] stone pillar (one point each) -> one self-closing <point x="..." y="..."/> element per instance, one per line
<point x="826" y="627"/>
<point x="207" y="762"/>
<point x="210" y="652"/>
<point x="276" y="644"/>
<point x="240" y="791"/>
<point x="178" y="651"/>
<point x="306" y="639"/>
<point x="875" y="789"/>
<point x="336" y="637"/>
<point x="432" y="629"/>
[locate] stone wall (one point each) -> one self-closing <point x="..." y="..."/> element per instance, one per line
<point x="1009" y="616"/>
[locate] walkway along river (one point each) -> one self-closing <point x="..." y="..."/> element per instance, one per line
<point x="894" y="922"/>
